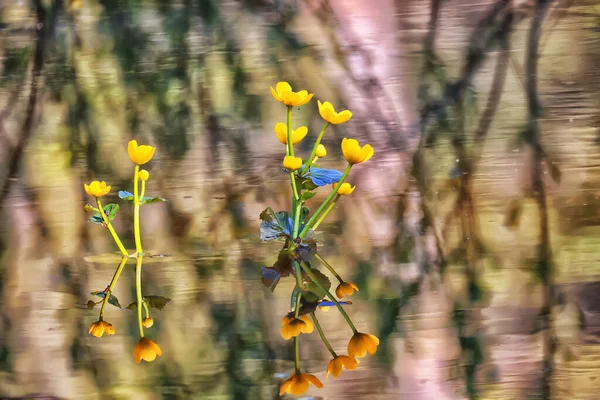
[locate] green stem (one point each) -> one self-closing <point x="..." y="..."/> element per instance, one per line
<point x="296" y="355"/>
<point x="297" y="305"/>
<point x="323" y="215"/>
<point x="146" y="309"/>
<point x="298" y="273"/>
<point x="294" y="187"/>
<point x="111" y="229"/>
<point x="136" y="212"/>
<point x="112" y="284"/>
<point x="290" y="145"/>
<point x="327" y="200"/>
<point x="143" y="191"/>
<point x="297" y="212"/>
<point x="329" y="295"/>
<point x="138" y="292"/>
<point x="329" y="267"/>
<point x="314" y="150"/>
<point x="322" y="334"/>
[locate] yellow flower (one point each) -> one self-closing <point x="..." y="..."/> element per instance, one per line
<point x="328" y="113"/>
<point x="362" y="343"/>
<point x="292" y="163"/>
<point x="345" y="288"/>
<point x="147" y="322"/>
<point x="146" y="350"/>
<point x="353" y="153"/>
<point x="335" y="366"/>
<point x="321" y="151"/>
<point x="143" y="175"/>
<point x="100" y="327"/>
<point x="298" y="383"/>
<point x="140" y="154"/>
<point x="297" y="135"/>
<point x="284" y="94"/>
<point x="291" y="326"/>
<point x="345" y="189"/>
<point x="97" y="189"/>
<point x="88" y="207"/>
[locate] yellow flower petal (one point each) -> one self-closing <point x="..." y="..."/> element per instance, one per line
<point x="283" y="87"/>
<point x="321" y="151"/>
<point x="299" y="134"/>
<point x="140" y="154"/>
<point x="292" y="163"/>
<point x="346" y="189"/>
<point x="281" y="132"/>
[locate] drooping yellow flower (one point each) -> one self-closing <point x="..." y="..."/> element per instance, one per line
<point x="291" y="326"/>
<point x="362" y="343"/>
<point x="284" y="94"/>
<point x="345" y="189"/>
<point x="97" y="189"/>
<point x="298" y="383"/>
<point x="321" y="151"/>
<point x="355" y="154"/>
<point x="328" y="113"/>
<point x="143" y="175"/>
<point x="334" y="367"/>
<point x="146" y="350"/>
<point x="140" y="154"/>
<point x="345" y="289"/>
<point x="292" y="163"/>
<point x="297" y="134"/>
<point x="147" y="322"/>
<point x="100" y="327"/>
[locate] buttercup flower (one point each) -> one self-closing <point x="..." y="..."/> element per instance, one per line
<point x="97" y="189"/>
<point x="291" y="326"/>
<point x="100" y="327"/>
<point x="345" y="288"/>
<point x="140" y="154"/>
<point x="292" y="163"/>
<point x="345" y="189"/>
<point x="297" y="134"/>
<point x="335" y="366"/>
<point x="298" y="383"/>
<point x="355" y="154"/>
<point x="143" y="175"/>
<point x="328" y="113"/>
<point x="361" y="344"/>
<point x="284" y="94"/>
<point x="147" y="322"/>
<point x="146" y="350"/>
<point x="321" y="151"/>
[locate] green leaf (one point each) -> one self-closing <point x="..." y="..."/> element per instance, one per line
<point x="151" y="301"/>
<point x="150" y="200"/>
<point x="275" y="225"/>
<point x="307" y="195"/>
<point x="312" y="292"/>
<point x="304" y="214"/>
<point x="111" y="211"/>
<point x="96" y="218"/>
<point x="112" y="300"/>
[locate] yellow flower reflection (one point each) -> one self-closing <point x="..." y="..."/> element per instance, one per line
<point x="345" y="289"/>
<point x="321" y="151"/>
<point x="292" y="163"/>
<point x="297" y="134"/>
<point x="146" y="350"/>
<point x="355" y="154"/>
<point x="335" y="366"/>
<point x="291" y="326"/>
<point x="97" y="189"/>
<point x="298" y="383"/>
<point x="284" y="94"/>
<point x="362" y="343"/>
<point x="99" y="328"/>
<point x="328" y="113"/>
<point x="140" y="154"/>
<point x="345" y="189"/>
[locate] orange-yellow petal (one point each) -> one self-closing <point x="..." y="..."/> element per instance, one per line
<point x="292" y="163"/>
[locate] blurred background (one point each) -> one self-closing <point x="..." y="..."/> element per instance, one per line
<point x="473" y="233"/>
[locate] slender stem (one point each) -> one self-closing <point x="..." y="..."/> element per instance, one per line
<point x="146" y="309"/>
<point x="112" y="284"/>
<point x="324" y="214"/>
<point x="298" y="273"/>
<point x="294" y="187"/>
<point x="297" y="305"/>
<point x="290" y="145"/>
<point x="329" y="295"/>
<point x="322" y="206"/>
<point x="314" y="150"/>
<point x="136" y="212"/>
<point x="296" y="355"/>
<point x="111" y="229"/>
<point x="322" y="334"/>
<point x="138" y="292"/>
<point x="297" y="212"/>
<point x="329" y="267"/>
<point x="143" y="191"/>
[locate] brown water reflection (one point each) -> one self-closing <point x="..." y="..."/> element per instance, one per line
<point x="442" y="234"/>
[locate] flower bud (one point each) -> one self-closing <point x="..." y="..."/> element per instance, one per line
<point x="88" y="207"/>
<point x="321" y="151"/>
<point x="143" y="175"/>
